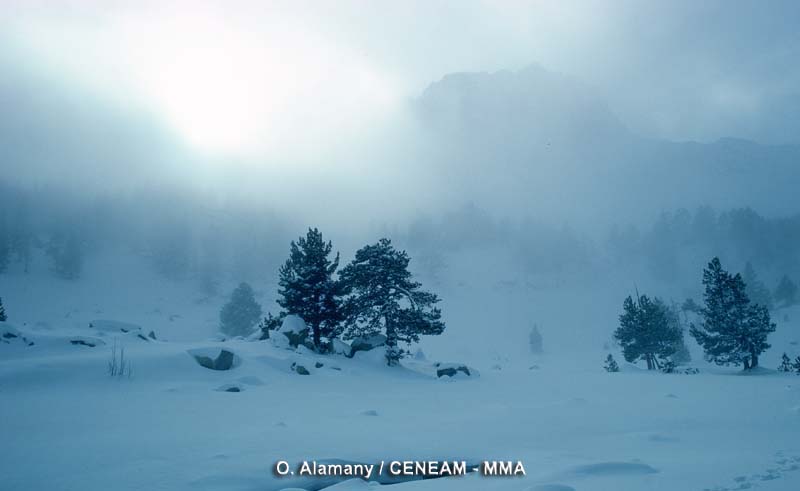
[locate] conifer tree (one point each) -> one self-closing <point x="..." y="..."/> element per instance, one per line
<point x="796" y="364"/>
<point x="732" y="331"/>
<point x="756" y="290"/>
<point x="786" y="364"/>
<point x="3" y="317"/>
<point x="241" y="313"/>
<point x="786" y="291"/>
<point x="307" y="287"/>
<point x="647" y="331"/>
<point x="611" y="364"/>
<point x="383" y="297"/>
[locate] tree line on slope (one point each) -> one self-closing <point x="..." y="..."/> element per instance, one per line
<point x="374" y="294"/>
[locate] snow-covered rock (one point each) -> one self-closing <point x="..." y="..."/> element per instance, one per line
<point x="295" y="330"/>
<point x="366" y="343"/>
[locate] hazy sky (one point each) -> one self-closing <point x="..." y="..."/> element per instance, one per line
<point x="293" y="80"/>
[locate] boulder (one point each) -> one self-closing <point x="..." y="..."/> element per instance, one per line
<point x="366" y="343"/>
<point x="295" y="330"/>
<point x="300" y="369"/>
<point x="224" y="361"/>
<point x="450" y="370"/>
<point x="215" y="358"/>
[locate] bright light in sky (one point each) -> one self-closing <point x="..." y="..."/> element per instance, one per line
<point x="226" y="86"/>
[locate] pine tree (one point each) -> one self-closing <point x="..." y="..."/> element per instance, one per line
<point x="535" y="339"/>
<point x="241" y="313"/>
<point x="647" y="331"/>
<point x="796" y="364"/>
<point x="756" y="290"/>
<point x="3" y="317"/>
<point x="786" y="364"/>
<point x="611" y="364"/>
<point x="786" y="291"/>
<point x="307" y="287"/>
<point x="733" y="331"/>
<point x="383" y="297"/>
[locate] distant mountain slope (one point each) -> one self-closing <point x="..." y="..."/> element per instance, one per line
<point x="546" y="140"/>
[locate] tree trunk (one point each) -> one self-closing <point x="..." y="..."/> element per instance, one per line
<point x="649" y="362"/>
<point x="391" y="344"/>
<point x="747" y="363"/>
<point x="753" y="360"/>
<point x="317" y="338"/>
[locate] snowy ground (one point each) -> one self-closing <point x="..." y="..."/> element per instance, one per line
<point x="67" y="425"/>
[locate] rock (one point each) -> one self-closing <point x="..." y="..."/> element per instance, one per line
<point x="451" y="370"/>
<point x="339" y="347"/>
<point x="205" y="361"/>
<point x="215" y="358"/>
<point x="230" y="388"/>
<point x="318" y="365"/>
<point x="224" y="361"/>
<point x="152" y="335"/>
<point x="84" y="341"/>
<point x="366" y="343"/>
<point x="295" y="330"/>
<point x="369" y="412"/>
<point x="300" y="369"/>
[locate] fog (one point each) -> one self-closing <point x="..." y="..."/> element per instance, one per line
<point x="530" y="126"/>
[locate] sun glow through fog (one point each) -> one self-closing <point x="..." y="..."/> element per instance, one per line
<point x="228" y="87"/>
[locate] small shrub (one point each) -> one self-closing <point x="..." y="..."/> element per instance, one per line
<point x="611" y="364"/>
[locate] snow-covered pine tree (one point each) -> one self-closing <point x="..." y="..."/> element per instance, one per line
<point x="647" y="331"/>
<point x="535" y="339"/>
<point x="308" y="290"/>
<point x="732" y="331"/>
<point x="3" y="317"/>
<point x="241" y="313"/>
<point x="756" y="290"/>
<point x="611" y="364"/>
<point x="383" y="297"/>
<point x="786" y="364"/>
<point x="796" y="364"/>
<point x="786" y="291"/>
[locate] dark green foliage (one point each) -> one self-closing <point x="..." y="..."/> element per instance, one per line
<point x="756" y="290"/>
<point x="786" y="292"/>
<point x="241" y="313"/>
<point x="647" y="331"/>
<point x="3" y="317"/>
<point x="786" y="364"/>
<point x="796" y="364"/>
<point x="269" y="323"/>
<point x="383" y="297"/>
<point x="733" y="331"/>
<point x="611" y="364"/>
<point x="66" y="252"/>
<point x="307" y="287"/>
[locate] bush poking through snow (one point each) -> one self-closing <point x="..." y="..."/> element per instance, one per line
<point x="786" y="364"/>
<point x="118" y="366"/>
<point x="611" y="364"/>
<point x="3" y="317"/>
<point x="535" y="339"/>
